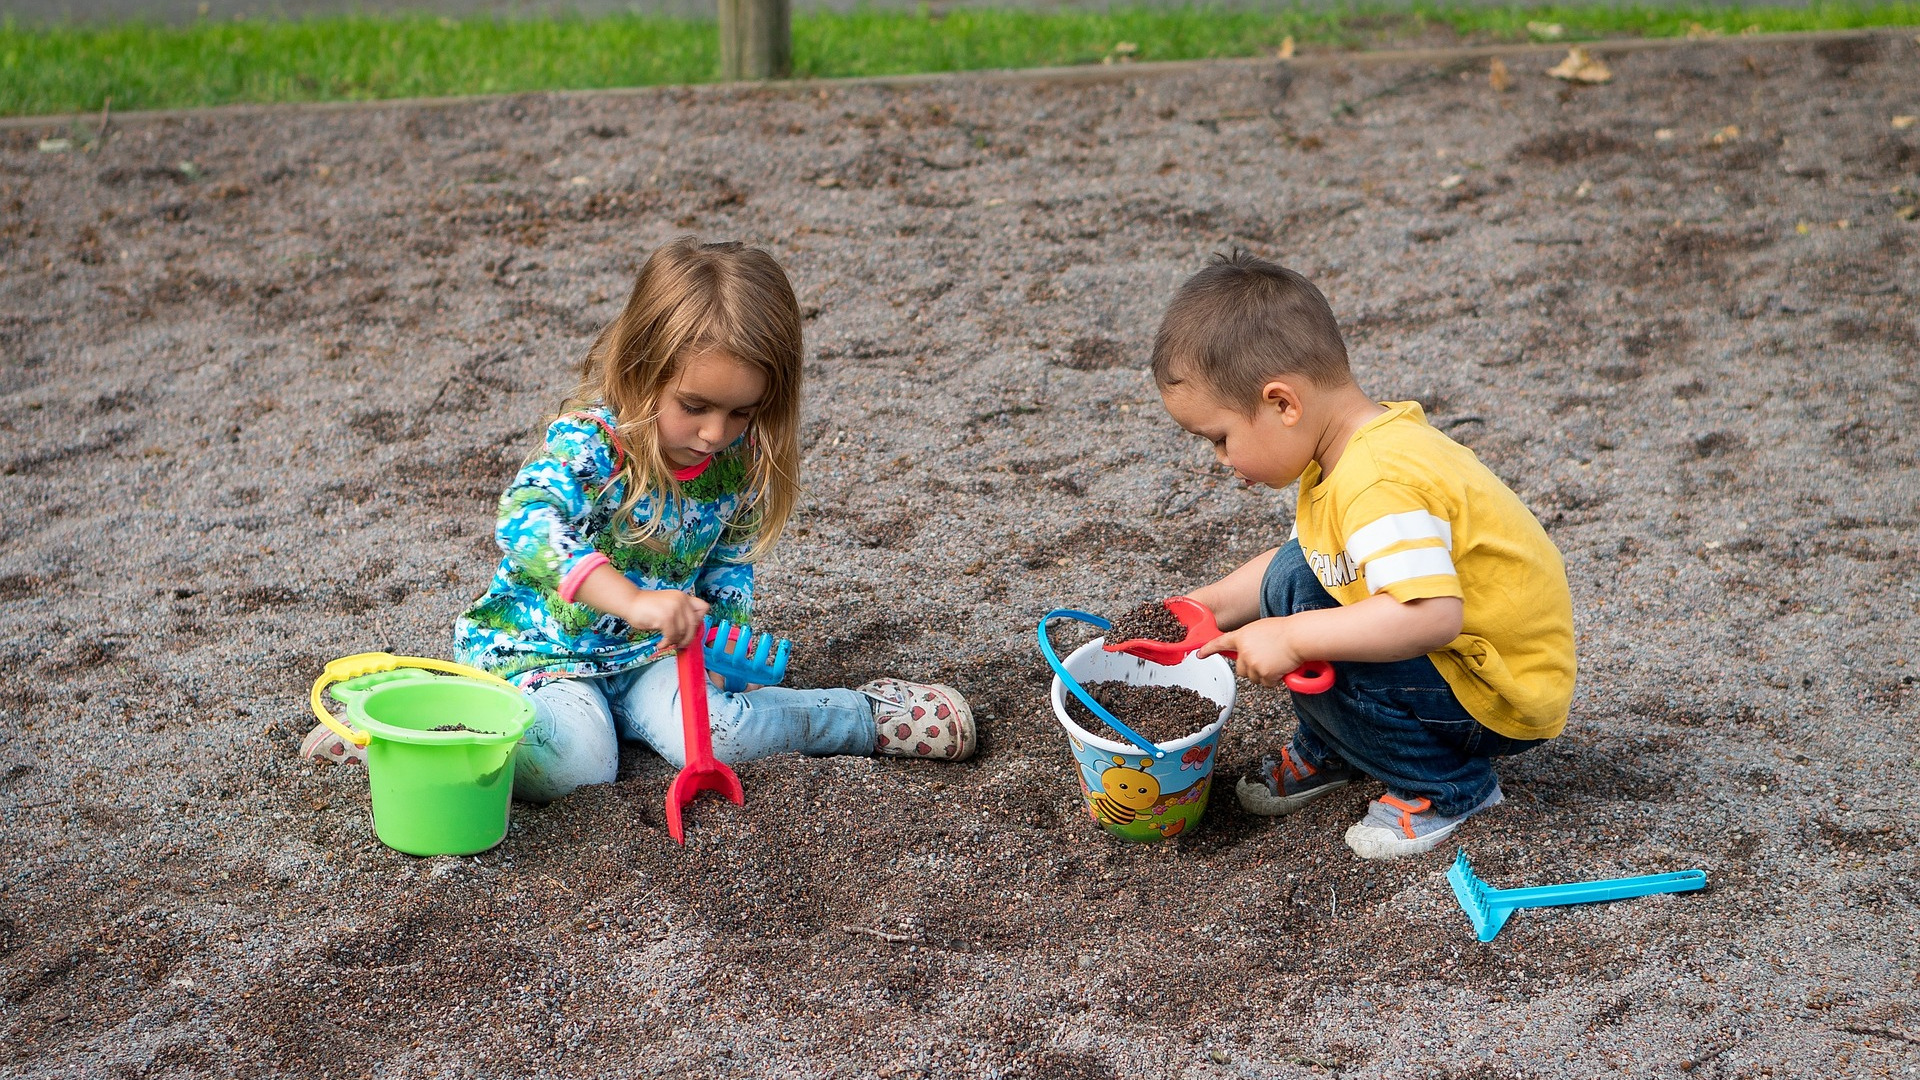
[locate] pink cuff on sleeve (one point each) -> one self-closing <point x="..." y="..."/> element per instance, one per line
<point x="571" y="583"/>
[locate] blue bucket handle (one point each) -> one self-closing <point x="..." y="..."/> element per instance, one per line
<point x="1053" y="661"/>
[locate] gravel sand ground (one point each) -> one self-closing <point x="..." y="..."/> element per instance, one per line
<point x="264" y="376"/>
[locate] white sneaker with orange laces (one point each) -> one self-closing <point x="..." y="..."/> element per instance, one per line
<point x="1394" y="826"/>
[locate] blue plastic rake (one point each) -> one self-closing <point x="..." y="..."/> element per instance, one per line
<point x="742" y="657"/>
<point x="1489" y="907"/>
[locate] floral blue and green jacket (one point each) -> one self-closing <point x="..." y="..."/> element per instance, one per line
<point x="556" y="525"/>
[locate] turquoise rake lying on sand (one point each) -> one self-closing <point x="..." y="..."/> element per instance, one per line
<point x="1489" y="907"/>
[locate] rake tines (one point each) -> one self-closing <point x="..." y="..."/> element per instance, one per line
<point x="743" y="657"/>
<point x="1472" y="894"/>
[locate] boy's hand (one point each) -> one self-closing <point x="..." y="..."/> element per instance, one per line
<point x="1376" y="630"/>
<point x="1266" y="648"/>
<point x="675" y="614"/>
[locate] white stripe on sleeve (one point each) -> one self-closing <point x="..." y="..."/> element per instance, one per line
<point x="1382" y="533"/>
<point x="1406" y="565"/>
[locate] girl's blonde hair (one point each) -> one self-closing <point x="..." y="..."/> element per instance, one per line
<point x="691" y="298"/>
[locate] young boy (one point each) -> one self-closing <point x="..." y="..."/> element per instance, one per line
<point x="1437" y="596"/>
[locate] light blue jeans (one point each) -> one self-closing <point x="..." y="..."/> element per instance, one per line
<point x="577" y="725"/>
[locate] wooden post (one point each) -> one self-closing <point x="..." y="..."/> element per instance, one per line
<point x="756" y="39"/>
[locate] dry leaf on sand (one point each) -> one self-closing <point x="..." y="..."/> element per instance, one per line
<point x="1497" y="76"/>
<point x="1581" y="66"/>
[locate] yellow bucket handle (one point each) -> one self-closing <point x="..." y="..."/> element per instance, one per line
<point x="371" y="663"/>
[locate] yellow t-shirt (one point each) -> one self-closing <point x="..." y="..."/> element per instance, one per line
<point x="1411" y="513"/>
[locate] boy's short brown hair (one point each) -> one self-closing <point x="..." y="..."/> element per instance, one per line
<point x="1243" y="321"/>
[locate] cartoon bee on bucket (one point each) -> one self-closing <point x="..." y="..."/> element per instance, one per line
<point x="1125" y="792"/>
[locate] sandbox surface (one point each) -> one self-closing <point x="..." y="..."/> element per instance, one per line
<point x="262" y="377"/>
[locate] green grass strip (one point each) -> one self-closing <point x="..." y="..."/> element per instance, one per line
<point x="76" y="68"/>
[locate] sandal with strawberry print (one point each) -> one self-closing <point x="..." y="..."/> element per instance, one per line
<point x="920" y="720"/>
<point x="325" y="744"/>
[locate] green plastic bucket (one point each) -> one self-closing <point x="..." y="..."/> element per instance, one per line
<point x="436" y="792"/>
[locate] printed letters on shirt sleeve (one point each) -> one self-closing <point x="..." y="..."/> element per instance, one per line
<point x="1401" y="543"/>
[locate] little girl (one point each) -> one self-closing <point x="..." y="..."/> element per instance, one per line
<point x="672" y="467"/>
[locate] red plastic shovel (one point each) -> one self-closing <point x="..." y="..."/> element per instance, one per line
<point x="703" y="772"/>
<point x="1312" y="677"/>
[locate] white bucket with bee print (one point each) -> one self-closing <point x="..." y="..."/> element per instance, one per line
<point x="1141" y="794"/>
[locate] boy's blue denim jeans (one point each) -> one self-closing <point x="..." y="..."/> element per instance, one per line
<point x="1398" y="722"/>
<point x="577" y="725"/>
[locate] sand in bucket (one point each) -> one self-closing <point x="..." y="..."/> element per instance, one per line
<point x="1130" y="794"/>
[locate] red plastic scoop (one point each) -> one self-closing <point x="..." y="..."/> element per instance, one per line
<point x="1312" y="677"/>
<point x="703" y="772"/>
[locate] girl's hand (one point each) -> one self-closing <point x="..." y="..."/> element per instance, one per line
<point x="674" y="613"/>
<point x="1267" y="652"/>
